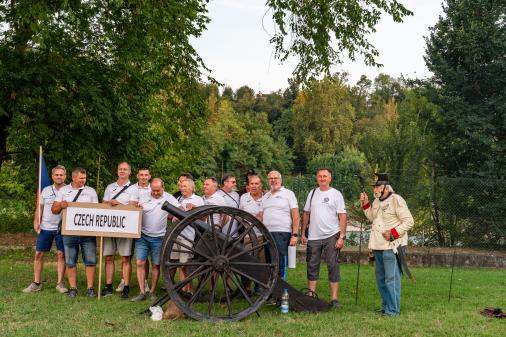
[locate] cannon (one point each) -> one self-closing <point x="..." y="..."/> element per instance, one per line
<point x="214" y="274"/>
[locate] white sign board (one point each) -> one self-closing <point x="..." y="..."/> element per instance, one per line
<point x="89" y="219"/>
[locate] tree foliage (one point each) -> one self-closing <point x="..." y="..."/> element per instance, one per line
<point x="322" y="32"/>
<point x="466" y="51"/>
<point x="94" y="78"/>
<point x="237" y="142"/>
<point x="323" y="117"/>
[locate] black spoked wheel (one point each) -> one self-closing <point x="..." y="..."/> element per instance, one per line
<point x="219" y="263"/>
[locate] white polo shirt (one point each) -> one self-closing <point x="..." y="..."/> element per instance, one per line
<point x="215" y="199"/>
<point x="49" y="220"/>
<point x="231" y="198"/>
<point x="249" y="204"/>
<point x="325" y="206"/>
<point x="67" y="193"/>
<point x="154" y="218"/>
<point x="196" y="200"/>
<point x="112" y="189"/>
<point x="277" y="210"/>
<point x="140" y="193"/>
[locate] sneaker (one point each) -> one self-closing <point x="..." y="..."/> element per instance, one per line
<point x="60" y="287"/>
<point x="335" y="304"/>
<point x="33" y="288"/>
<point x="153" y="297"/>
<point x="91" y="292"/>
<point x="125" y="292"/>
<point x="106" y="292"/>
<point x="72" y="292"/>
<point x="138" y="298"/>
<point x="120" y="287"/>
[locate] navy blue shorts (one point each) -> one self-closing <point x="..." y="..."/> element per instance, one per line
<point x="45" y="241"/>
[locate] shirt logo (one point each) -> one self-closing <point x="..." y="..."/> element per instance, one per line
<point x="326" y="200"/>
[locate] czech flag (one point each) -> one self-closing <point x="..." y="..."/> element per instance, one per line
<point x="43" y="181"/>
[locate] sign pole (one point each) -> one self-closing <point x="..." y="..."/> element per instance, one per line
<point x="100" y="267"/>
<point x="101" y="240"/>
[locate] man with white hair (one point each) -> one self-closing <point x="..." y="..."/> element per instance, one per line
<point x="188" y="200"/>
<point x="391" y="220"/>
<point x="281" y="216"/>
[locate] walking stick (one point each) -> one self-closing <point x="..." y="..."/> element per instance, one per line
<point x="359" y="242"/>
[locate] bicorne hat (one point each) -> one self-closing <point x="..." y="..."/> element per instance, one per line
<point x="381" y="179"/>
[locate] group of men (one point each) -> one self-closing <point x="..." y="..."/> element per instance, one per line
<point x="323" y="228"/>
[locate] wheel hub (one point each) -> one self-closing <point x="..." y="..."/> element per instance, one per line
<point x="220" y="263"/>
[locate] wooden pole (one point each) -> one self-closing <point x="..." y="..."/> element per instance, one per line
<point x="101" y="241"/>
<point x="100" y="267"/>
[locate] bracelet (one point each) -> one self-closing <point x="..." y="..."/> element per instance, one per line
<point x="295" y="235"/>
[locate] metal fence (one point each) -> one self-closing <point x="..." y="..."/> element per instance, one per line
<point x="460" y="221"/>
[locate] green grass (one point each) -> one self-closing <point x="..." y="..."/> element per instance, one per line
<point x="425" y="307"/>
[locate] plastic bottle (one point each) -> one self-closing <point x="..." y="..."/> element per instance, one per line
<point x="284" y="302"/>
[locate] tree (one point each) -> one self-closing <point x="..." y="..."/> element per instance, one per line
<point x="236" y="142"/>
<point x="323" y="118"/>
<point x="245" y="99"/>
<point x="81" y="78"/>
<point x="319" y="33"/>
<point x="466" y="52"/>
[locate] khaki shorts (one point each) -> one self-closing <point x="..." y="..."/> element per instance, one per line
<point x="248" y="244"/>
<point x="182" y="257"/>
<point x="121" y="246"/>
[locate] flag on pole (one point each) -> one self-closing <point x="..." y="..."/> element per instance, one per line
<point x="43" y="181"/>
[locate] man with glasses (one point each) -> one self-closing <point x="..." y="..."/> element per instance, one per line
<point x="281" y="217"/>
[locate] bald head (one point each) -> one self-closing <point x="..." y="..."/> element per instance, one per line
<point x="157" y="188"/>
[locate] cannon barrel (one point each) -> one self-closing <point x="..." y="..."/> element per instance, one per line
<point x="181" y="215"/>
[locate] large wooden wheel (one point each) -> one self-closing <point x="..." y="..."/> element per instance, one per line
<point x="218" y="269"/>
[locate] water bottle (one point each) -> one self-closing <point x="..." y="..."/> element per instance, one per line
<point x="284" y="302"/>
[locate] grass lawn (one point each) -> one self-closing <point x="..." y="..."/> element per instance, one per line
<point x="425" y="307"/>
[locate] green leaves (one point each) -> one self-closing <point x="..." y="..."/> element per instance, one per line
<point x="322" y="32"/>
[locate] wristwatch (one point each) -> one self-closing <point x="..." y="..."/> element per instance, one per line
<point x="295" y="235"/>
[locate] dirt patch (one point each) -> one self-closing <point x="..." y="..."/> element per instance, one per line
<point x="18" y="240"/>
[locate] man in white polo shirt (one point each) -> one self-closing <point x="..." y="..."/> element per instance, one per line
<point x="188" y="200"/>
<point x="251" y="202"/>
<point x="212" y="197"/>
<point x="76" y="191"/>
<point x="281" y="216"/>
<point x="325" y="213"/>
<point x="139" y="191"/>
<point x="154" y="225"/>
<point x="231" y="197"/>
<point x="119" y="193"/>
<point x="47" y="232"/>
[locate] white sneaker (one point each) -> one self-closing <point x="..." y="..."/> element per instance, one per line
<point x="60" y="287"/>
<point x="120" y="287"/>
<point x="33" y="288"/>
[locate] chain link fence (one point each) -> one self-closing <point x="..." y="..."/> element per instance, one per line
<point x="460" y="221"/>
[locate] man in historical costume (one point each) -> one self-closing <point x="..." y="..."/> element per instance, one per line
<point x="391" y="220"/>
